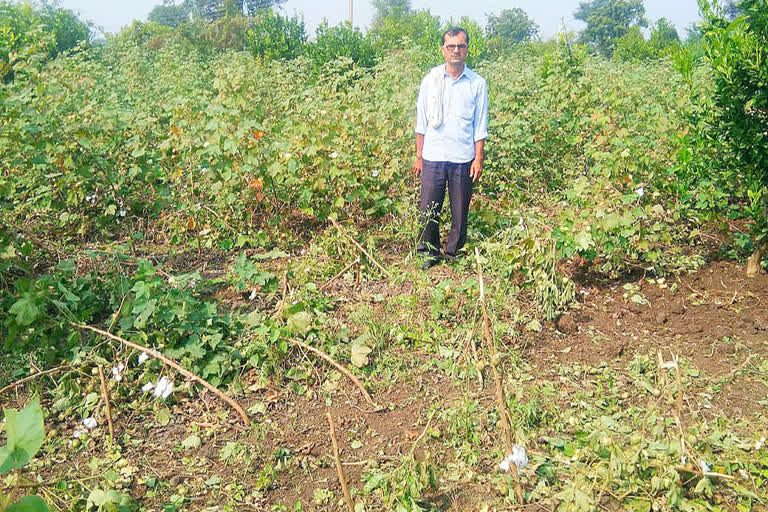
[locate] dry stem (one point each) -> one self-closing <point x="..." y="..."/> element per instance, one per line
<point x="362" y="249"/>
<point x="108" y="406"/>
<point x="355" y="262"/>
<point x="31" y="377"/>
<point x="336" y="365"/>
<point x="173" y="364"/>
<point x="500" y="400"/>
<point x="337" y="460"/>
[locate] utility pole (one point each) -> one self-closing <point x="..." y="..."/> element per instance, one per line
<point x="351" y="8"/>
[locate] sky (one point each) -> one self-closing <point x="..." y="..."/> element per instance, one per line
<point x="548" y="14"/>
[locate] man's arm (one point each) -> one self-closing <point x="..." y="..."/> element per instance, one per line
<point x="476" y="169"/>
<point x="481" y="130"/>
<point x="418" y="163"/>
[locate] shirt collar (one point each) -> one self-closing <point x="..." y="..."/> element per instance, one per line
<point x="464" y="72"/>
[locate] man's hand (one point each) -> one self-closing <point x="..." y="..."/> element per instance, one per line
<point x="418" y="164"/>
<point x="475" y="170"/>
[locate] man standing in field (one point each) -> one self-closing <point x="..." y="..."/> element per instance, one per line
<point x="451" y="128"/>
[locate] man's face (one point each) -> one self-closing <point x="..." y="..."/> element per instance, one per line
<point x="455" y="49"/>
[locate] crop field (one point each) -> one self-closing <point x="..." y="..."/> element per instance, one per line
<point x="211" y="300"/>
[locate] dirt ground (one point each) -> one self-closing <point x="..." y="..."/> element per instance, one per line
<point x="715" y="318"/>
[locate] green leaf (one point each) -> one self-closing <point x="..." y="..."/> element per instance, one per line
<point x="28" y="504"/>
<point x="163" y="416"/>
<point x="360" y="355"/>
<point x="24" y="310"/>
<point x="25" y="433"/>
<point x="191" y="442"/>
<point x="583" y="241"/>
<point x="300" y="322"/>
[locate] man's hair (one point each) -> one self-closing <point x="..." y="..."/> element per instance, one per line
<point x="454" y="31"/>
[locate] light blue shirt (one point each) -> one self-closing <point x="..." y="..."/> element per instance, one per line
<point x="465" y="118"/>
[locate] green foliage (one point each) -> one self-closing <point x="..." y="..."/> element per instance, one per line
<point x="30" y="34"/>
<point x="342" y="40"/>
<point x="508" y="28"/>
<point x="25" y="433"/>
<point x="608" y="20"/>
<point x="735" y="50"/>
<point x="276" y="37"/>
<point x="171" y="14"/>
<point x="418" y="30"/>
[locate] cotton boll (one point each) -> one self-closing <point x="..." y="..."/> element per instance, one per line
<point x="143" y="357"/>
<point x="640" y="191"/>
<point x="704" y="466"/>
<point x="90" y="423"/>
<point x="519" y="456"/>
<point x="149" y="386"/>
<point x="164" y="388"/>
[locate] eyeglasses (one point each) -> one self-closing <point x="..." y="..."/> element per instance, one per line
<point x="452" y="47"/>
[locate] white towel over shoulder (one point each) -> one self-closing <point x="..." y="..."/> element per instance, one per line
<point x="436" y="83"/>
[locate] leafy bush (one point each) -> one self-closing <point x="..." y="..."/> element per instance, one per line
<point x="735" y="51"/>
<point x="275" y="37"/>
<point x="341" y="41"/>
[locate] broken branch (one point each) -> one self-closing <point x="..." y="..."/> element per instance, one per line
<point x="337" y="459"/>
<point x="362" y="249"/>
<point x="173" y="364"/>
<point x="108" y="407"/>
<point x="336" y="365"/>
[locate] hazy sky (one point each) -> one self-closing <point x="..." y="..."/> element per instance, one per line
<point x="112" y="15"/>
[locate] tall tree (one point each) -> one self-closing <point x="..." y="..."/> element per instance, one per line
<point x="664" y="34"/>
<point x="390" y="8"/>
<point x="171" y="14"/>
<point x="608" y="20"/>
<point x="211" y="10"/>
<point x="511" y="26"/>
<point x="736" y="52"/>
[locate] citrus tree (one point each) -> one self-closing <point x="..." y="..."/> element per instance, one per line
<point x="735" y="49"/>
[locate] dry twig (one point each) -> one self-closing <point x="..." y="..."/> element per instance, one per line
<point x="173" y="364"/>
<point x="328" y="283"/>
<point x="31" y="377"/>
<point x="362" y="249"/>
<point x="501" y="402"/>
<point x="339" y="469"/>
<point x="336" y="365"/>
<point x="108" y="406"/>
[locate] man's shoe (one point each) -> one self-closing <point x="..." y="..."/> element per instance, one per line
<point x="429" y="262"/>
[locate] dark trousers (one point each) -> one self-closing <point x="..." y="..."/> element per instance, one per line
<point x="434" y="177"/>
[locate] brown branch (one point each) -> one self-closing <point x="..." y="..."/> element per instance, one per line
<point x="108" y="407"/>
<point x="336" y="365"/>
<point x="500" y="399"/>
<point x="355" y="262"/>
<point x="31" y="377"/>
<point x="362" y="249"/>
<point x="423" y="432"/>
<point x="337" y="460"/>
<point x="173" y="364"/>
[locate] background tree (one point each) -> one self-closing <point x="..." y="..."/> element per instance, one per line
<point x="736" y="51"/>
<point x="211" y="10"/>
<point x="388" y="8"/>
<point x="171" y="14"/>
<point x="510" y="27"/>
<point x="608" y="20"/>
<point x="664" y="35"/>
